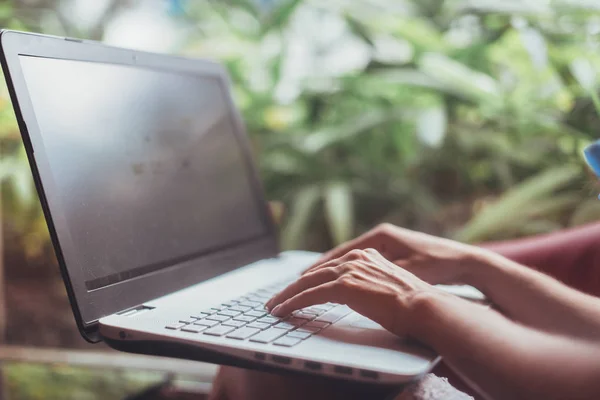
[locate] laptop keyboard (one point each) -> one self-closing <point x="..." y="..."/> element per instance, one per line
<point x="246" y="318"/>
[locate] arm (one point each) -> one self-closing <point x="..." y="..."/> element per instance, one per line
<point x="499" y="357"/>
<point x="535" y="299"/>
<point x="505" y="360"/>
<point x="527" y="296"/>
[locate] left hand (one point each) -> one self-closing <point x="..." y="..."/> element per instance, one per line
<point x="366" y="282"/>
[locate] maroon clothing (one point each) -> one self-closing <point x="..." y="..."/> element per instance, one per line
<point x="572" y="256"/>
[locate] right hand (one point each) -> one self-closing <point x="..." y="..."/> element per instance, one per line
<point x="431" y="258"/>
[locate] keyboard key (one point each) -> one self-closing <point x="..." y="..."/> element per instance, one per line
<point x="217" y="317"/>
<point x="187" y="320"/>
<point x="219" y="330"/>
<point x="251" y="304"/>
<point x="210" y="311"/>
<point x="308" y="329"/>
<point x="317" y="324"/>
<point x="314" y="311"/>
<point x="240" y="308"/>
<point x="303" y="315"/>
<point x="297" y="322"/>
<point x="260" y="298"/>
<point x="258" y="325"/>
<point x="194" y="328"/>
<point x="256" y="313"/>
<point x="299" y="335"/>
<point x="268" y="336"/>
<point x="174" y="326"/>
<point x="243" y="333"/>
<point x="240" y="300"/>
<point x="287" y="341"/>
<point x="245" y="318"/>
<point x="334" y="315"/>
<point x="234" y="323"/>
<point x="269" y="320"/>
<point x="228" y="304"/>
<point x="284" y="325"/>
<point x="307" y="311"/>
<point x="207" y="322"/>
<point x="199" y="315"/>
<point x="229" y="313"/>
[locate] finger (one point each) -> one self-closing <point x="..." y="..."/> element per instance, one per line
<point x="330" y="291"/>
<point x="305" y="282"/>
<point x="361" y="242"/>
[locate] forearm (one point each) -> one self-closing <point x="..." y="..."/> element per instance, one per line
<point x="535" y="299"/>
<point x="502" y="359"/>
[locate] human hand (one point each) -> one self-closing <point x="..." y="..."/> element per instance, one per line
<point x="365" y="281"/>
<point x="433" y="259"/>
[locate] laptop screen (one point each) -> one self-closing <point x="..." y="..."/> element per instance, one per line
<point x="146" y="162"/>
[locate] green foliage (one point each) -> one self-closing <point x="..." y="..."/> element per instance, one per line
<point x="483" y="104"/>
<point x="462" y="118"/>
<point x="531" y="199"/>
<point x="32" y="382"/>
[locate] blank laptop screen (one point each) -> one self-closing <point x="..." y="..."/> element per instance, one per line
<point x="146" y="163"/>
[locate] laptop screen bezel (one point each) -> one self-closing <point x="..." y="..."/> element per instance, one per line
<point x="89" y="306"/>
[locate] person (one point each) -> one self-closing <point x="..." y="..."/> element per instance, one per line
<point x="539" y="340"/>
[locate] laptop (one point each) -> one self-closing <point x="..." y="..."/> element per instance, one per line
<point x="158" y="220"/>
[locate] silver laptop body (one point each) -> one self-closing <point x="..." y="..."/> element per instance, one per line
<point x="158" y="219"/>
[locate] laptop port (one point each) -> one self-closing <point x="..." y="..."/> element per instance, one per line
<point x="281" y="360"/>
<point x="260" y="356"/>
<point x="369" y="374"/>
<point x="313" y="366"/>
<point x="342" y="370"/>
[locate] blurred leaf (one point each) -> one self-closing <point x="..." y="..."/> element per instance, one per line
<point x="359" y="29"/>
<point x="461" y="79"/>
<point x="412" y="77"/>
<point x="431" y="126"/>
<point x="588" y="211"/>
<point x="536" y="46"/>
<point x="280" y="15"/>
<point x="508" y="210"/>
<point x="539" y="227"/>
<point x="518" y="7"/>
<point x="584" y="73"/>
<point x="339" y="210"/>
<point x="301" y="212"/>
<point x="421" y="33"/>
<point x="317" y="141"/>
<point x="22" y="182"/>
<point x="550" y="206"/>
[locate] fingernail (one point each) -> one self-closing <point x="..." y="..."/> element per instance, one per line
<point x="276" y="310"/>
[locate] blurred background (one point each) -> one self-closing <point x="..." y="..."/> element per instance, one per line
<point x="461" y="118"/>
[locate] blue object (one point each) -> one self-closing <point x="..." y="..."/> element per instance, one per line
<point x="592" y="157"/>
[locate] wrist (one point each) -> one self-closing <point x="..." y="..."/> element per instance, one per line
<point x="481" y="267"/>
<point x="426" y="314"/>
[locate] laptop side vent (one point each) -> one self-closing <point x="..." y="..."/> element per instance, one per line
<point x="342" y="370"/>
<point x="369" y="374"/>
<point x="281" y="360"/>
<point x="313" y="366"/>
